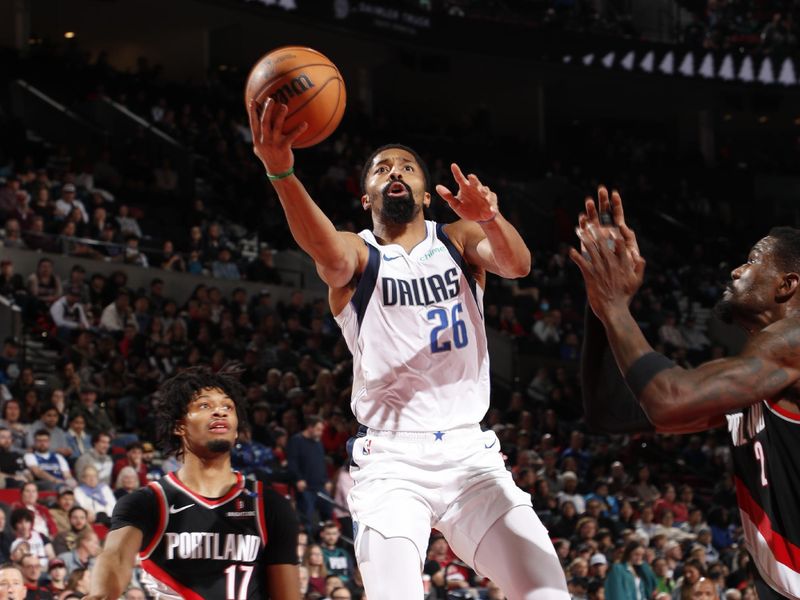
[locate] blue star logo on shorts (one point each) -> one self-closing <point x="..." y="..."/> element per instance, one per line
<point x="439" y="436"/>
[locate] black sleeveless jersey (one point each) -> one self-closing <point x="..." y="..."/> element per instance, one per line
<point x="197" y="548"/>
<point x="766" y="455"/>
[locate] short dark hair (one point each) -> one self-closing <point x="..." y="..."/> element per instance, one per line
<point x="20" y="514"/>
<point x="39" y="432"/>
<point x="313" y="421"/>
<point x="368" y="163"/>
<point x="176" y="393"/>
<point x="787" y="248"/>
<point x="133" y="445"/>
<point x="76" y="508"/>
<point x="98" y="434"/>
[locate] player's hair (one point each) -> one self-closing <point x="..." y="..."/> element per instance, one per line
<point x="787" y="248"/>
<point x="176" y="393"/>
<point x="426" y="174"/>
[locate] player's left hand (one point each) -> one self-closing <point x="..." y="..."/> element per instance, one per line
<point x="474" y="201"/>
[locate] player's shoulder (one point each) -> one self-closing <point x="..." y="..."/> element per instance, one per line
<point x="143" y="498"/>
<point x="780" y="339"/>
<point x="460" y="232"/>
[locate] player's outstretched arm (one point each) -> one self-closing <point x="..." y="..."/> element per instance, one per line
<point x="338" y="255"/>
<point x="488" y="240"/>
<point x="112" y="571"/>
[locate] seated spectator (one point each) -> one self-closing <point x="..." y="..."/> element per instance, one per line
<point x="77" y="582"/>
<point x="97" y="418"/>
<point x="57" y="573"/>
<point x="314" y="561"/>
<point x="97" y="498"/>
<point x="631" y="578"/>
<point x="171" y="260"/>
<point x="78" y="523"/>
<point x="668" y="501"/>
<point x="68" y="314"/>
<point x="98" y="457"/>
<point x="48" y="421"/>
<point x="262" y="268"/>
<point x="13" y="234"/>
<point x="127" y="481"/>
<point x="6" y="537"/>
<point x="60" y="512"/>
<point x="251" y="457"/>
<point x="22" y="526"/>
<point x="13" y="420"/>
<point x="49" y="469"/>
<point x="134" y="458"/>
<point x="127" y="224"/>
<point x="69" y="201"/>
<point x="569" y="492"/>
<point x="42" y="519"/>
<point x="43" y="284"/>
<point x="82" y="556"/>
<point x="32" y="568"/>
<point x="12" y="286"/>
<point x="117" y="315"/>
<point x="224" y="267"/>
<point x="338" y="561"/>
<point x="78" y="440"/>
<point x="12" y="466"/>
<point x="132" y="255"/>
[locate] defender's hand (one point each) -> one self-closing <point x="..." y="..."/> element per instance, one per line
<point x="270" y="143"/>
<point x="474" y="201"/>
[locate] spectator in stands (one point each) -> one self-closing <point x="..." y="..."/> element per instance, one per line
<point x="69" y="201"/>
<point x="98" y="457"/>
<point x="57" y="574"/>
<point x="82" y="556"/>
<point x="68" y="314"/>
<point x="314" y="561"/>
<point x="78" y="439"/>
<point x="338" y="561"/>
<point x="97" y="498"/>
<point x="32" y="568"/>
<point x="134" y="458"/>
<point x="49" y="469"/>
<point x="669" y="501"/>
<point x="78" y="522"/>
<point x="171" y="260"/>
<point x="8" y="196"/>
<point x="78" y="582"/>
<point x="307" y="464"/>
<point x="223" y="267"/>
<point x="132" y="255"/>
<point x="60" y="512"/>
<point x="127" y="481"/>
<point x="42" y="519"/>
<point x="569" y="492"/>
<point x="693" y="570"/>
<point x="48" y="421"/>
<point x="22" y="526"/>
<point x="44" y="285"/>
<point x="251" y="457"/>
<point x="12" y="237"/>
<point x="117" y="315"/>
<point x="262" y="268"/>
<point x="11" y="462"/>
<point x="631" y="578"/>
<point x="127" y="224"/>
<point x="643" y="488"/>
<point x="36" y="238"/>
<point x="11" y="284"/>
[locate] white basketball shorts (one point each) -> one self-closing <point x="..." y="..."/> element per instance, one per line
<point x="409" y="482"/>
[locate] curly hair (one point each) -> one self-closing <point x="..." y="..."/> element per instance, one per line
<point x="177" y="392"/>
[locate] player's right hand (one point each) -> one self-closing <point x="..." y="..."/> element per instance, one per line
<point x="270" y="143"/>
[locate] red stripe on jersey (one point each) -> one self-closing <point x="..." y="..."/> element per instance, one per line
<point x="164" y="577"/>
<point x="262" y="523"/>
<point x="786" y="414"/>
<point x="208" y="502"/>
<point x="783" y="550"/>
<point x="161" y="500"/>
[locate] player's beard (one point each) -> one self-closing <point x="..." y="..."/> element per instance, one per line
<point x="399" y="210"/>
<point x="219" y="446"/>
<point x="725" y="310"/>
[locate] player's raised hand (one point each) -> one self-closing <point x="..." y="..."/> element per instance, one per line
<point x="474" y="201"/>
<point x="270" y="143"/>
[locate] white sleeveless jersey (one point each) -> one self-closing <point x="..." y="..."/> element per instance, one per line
<point x="415" y="329"/>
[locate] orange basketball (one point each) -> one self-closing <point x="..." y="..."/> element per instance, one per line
<point x="307" y="82"/>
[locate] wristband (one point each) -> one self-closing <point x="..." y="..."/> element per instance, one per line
<point x="644" y="370"/>
<point x="488" y="220"/>
<point x="283" y="175"/>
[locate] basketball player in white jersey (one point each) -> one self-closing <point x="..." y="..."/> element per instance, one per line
<point x="408" y="297"/>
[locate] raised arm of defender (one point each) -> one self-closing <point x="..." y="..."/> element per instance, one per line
<point x="673" y="398"/>
<point x="338" y="255"/>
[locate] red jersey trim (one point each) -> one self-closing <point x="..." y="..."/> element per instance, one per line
<point x="164" y="577"/>
<point x="784" y="551"/>
<point x="161" y="500"/>
<point x="202" y="500"/>
<point x="262" y="523"/>
<point x="782" y="412"/>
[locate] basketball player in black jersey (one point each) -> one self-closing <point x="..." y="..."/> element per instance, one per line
<point x="755" y="394"/>
<point x="202" y="533"/>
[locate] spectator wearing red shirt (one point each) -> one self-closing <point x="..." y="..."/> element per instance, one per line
<point x="134" y="453"/>
<point x="43" y="521"/>
<point x="335" y="434"/>
<point x="668" y="502"/>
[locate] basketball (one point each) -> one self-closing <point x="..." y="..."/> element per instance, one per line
<point x="307" y="82"/>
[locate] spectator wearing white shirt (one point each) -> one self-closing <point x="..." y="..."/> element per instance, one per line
<point x="50" y="470"/>
<point x="68" y="202"/>
<point x="95" y="497"/>
<point x="127" y="224"/>
<point x="117" y="315"/>
<point x="68" y="314"/>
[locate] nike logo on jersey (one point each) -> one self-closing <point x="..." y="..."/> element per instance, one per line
<point x="388" y="258"/>
<point x="490" y="445"/>
<point x="175" y="511"/>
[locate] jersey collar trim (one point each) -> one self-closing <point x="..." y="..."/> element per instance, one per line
<point x="782" y="412"/>
<point x="235" y="490"/>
